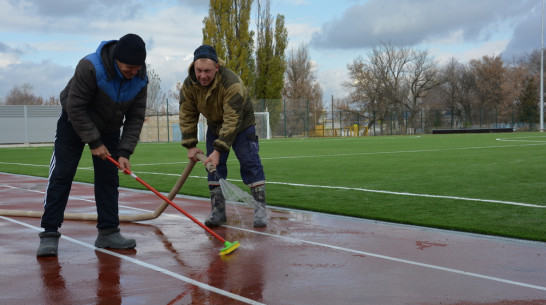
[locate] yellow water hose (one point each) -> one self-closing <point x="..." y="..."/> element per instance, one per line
<point x="123" y="218"/>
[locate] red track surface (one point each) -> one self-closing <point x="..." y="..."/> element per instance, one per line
<point x="300" y="258"/>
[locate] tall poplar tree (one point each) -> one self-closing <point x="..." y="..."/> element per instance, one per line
<point x="270" y="57"/>
<point x="227" y="29"/>
<point x="270" y="61"/>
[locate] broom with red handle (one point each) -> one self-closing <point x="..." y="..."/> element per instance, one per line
<point x="228" y="246"/>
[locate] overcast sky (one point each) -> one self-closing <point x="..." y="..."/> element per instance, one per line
<point x="41" y="41"/>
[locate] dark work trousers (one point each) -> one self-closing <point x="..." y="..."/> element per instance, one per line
<point x="67" y="152"/>
<point x="246" y="150"/>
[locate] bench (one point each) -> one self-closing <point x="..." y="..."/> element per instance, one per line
<point x="472" y="130"/>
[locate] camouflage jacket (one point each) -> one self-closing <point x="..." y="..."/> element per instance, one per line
<point x="225" y="104"/>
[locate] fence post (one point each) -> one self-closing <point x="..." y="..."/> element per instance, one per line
<point x="496" y="118"/>
<point x="168" y="127"/>
<point x="306" y="121"/>
<point x="340" y="126"/>
<point x="374" y="123"/>
<point x="284" y="110"/>
<point x="333" y="114"/>
<point x="422" y="129"/>
<point x="357" y="126"/>
<point x="157" y="119"/>
<point x="25" y="108"/>
<point x="390" y="121"/>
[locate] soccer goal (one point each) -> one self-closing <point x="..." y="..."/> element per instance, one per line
<point x="263" y="129"/>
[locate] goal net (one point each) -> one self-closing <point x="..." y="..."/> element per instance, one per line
<point x="263" y="129"/>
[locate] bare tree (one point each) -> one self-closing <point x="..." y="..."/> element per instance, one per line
<point x="367" y="93"/>
<point x="389" y="66"/>
<point x="156" y="97"/>
<point x="527" y="103"/>
<point x="450" y="88"/>
<point x="393" y="80"/>
<point x="301" y="89"/>
<point x="23" y="95"/>
<point x="515" y="82"/>
<point x="468" y="95"/>
<point x="489" y="72"/>
<point x="52" y="101"/>
<point x="421" y="78"/>
<point x="176" y="93"/>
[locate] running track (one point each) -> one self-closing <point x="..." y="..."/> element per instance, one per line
<point x="300" y="258"/>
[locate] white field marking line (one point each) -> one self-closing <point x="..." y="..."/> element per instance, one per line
<point x="410" y="194"/>
<point x="521" y="139"/>
<point x="360" y="190"/>
<point x="147" y="265"/>
<point x="330" y="155"/>
<point x="25" y="164"/>
<point x="379" y="191"/>
<point x="398" y="193"/>
<point x="389" y="258"/>
<point x="400" y="151"/>
<point x="528" y="137"/>
<point x="160" y="163"/>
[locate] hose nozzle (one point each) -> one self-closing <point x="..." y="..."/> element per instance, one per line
<point x="209" y="166"/>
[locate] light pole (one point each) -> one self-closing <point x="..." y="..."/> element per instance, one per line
<point x="542" y="71"/>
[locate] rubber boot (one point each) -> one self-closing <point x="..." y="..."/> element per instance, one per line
<point x="111" y="238"/>
<point x="49" y="244"/>
<point x="260" y="215"/>
<point x="218" y="208"/>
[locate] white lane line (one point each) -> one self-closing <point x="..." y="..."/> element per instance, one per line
<point x="404" y="261"/>
<point x="291" y="239"/>
<point x="149" y="266"/>
<point x="400" y="260"/>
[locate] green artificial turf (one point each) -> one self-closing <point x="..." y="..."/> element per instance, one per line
<point x="485" y="183"/>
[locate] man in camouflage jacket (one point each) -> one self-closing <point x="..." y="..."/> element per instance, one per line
<point x="220" y="96"/>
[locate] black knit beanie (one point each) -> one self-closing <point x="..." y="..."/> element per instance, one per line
<point x="205" y="51"/>
<point x="131" y="50"/>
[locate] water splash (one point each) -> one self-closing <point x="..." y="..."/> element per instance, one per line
<point x="233" y="193"/>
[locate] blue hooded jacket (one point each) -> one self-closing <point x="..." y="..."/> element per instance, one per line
<point x="98" y="99"/>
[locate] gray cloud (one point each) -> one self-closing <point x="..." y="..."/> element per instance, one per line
<point x="101" y="9"/>
<point x="6" y="49"/>
<point x="526" y="36"/>
<point x="46" y="77"/>
<point x="410" y="22"/>
<point x="195" y="4"/>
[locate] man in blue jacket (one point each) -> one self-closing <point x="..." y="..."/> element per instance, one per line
<point x="107" y="92"/>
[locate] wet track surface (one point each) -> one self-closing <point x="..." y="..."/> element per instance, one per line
<point x="300" y="258"/>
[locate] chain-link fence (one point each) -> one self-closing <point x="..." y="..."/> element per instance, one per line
<point x="299" y="121"/>
<point x="280" y="119"/>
